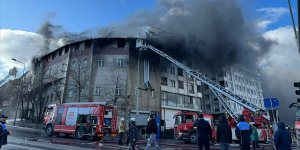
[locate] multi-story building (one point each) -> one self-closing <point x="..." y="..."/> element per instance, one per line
<point x="179" y="91"/>
<point x="243" y="81"/>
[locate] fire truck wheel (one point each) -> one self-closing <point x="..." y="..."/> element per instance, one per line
<point x="49" y="130"/>
<point x="193" y="138"/>
<point x="79" y="132"/>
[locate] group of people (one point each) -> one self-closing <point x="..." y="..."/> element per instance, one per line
<point x="244" y="132"/>
<point x="132" y="133"/>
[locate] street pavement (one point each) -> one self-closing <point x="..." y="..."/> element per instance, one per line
<point x="28" y="138"/>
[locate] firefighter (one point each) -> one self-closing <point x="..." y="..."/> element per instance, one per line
<point x="132" y="134"/>
<point x="121" y="131"/>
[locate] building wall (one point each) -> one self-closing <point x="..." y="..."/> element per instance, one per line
<point x="241" y="80"/>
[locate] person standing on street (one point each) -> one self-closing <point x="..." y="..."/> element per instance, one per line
<point x="121" y="131"/>
<point x="152" y="131"/>
<point x="224" y="134"/>
<point x="282" y="138"/>
<point x="243" y="132"/>
<point x="204" y="133"/>
<point x="132" y="134"/>
<point x="254" y="137"/>
<point x="3" y="131"/>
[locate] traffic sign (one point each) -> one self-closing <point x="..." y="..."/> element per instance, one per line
<point x="271" y="103"/>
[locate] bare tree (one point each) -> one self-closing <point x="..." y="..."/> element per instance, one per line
<point x="79" y="74"/>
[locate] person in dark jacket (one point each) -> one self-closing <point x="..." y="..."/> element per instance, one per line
<point x="224" y="134"/>
<point x="132" y="134"/>
<point x="151" y="130"/>
<point x="243" y="132"/>
<point x="204" y="133"/>
<point x="282" y="138"/>
<point x="3" y="131"/>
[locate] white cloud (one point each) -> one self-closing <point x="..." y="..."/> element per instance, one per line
<point x="21" y="45"/>
<point x="280" y="68"/>
<point x="270" y="15"/>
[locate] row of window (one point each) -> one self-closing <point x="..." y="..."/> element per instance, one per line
<point x="178" y="98"/>
<point x="172" y="70"/>
<point x="245" y="81"/>
<point x="100" y="91"/>
<point x="120" y="63"/>
<point x="190" y="86"/>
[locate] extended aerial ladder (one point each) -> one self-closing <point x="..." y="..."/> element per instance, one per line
<point x="12" y="72"/>
<point x="224" y="95"/>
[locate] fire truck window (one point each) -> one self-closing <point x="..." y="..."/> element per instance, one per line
<point x="59" y="116"/>
<point x="178" y="119"/>
<point x="189" y="118"/>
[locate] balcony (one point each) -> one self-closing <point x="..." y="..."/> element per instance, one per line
<point x="181" y="105"/>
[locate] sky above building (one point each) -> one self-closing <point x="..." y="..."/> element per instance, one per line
<point x="21" y="21"/>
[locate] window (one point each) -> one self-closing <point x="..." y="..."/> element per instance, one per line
<point x="66" y="50"/>
<point x="191" y="88"/>
<point x="118" y="91"/>
<point x="121" y="43"/>
<point x="87" y="44"/>
<point x="60" y="52"/>
<point x="207" y="107"/>
<point x="100" y="63"/>
<point x="164" y="81"/>
<point x="120" y="63"/>
<point x="206" y="96"/>
<point x="198" y="88"/>
<point x="70" y="93"/>
<point x="97" y="90"/>
<point x="172" y="71"/>
<point x="180" y="84"/>
<point x="188" y="100"/>
<point x="217" y="107"/>
<point x="76" y="47"/>
<point x="180" y="72"/>
<point x="172" y="83"/>
<point x="205" y="87"/>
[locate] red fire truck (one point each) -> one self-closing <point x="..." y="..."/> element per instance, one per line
<point x="91" y="119"/>
<point x="184" y="129"/>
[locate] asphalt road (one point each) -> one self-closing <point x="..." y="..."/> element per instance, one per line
<point x="26" y="138"/>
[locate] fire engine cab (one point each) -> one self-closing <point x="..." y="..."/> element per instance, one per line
<point x="90" y="119"/>
<point x="184" y="125"/>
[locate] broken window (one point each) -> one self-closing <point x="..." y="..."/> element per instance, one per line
<point x="164" y="81"/>
<point x="121" y="43"/>
<point x="180" y="72"/>
<point x="191" y="88"/>
<point x="172" y="70"/>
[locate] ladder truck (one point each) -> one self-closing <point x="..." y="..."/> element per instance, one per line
<point x="224" y="95"/>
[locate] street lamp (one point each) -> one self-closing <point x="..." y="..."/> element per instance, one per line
<point x="138" y="84"/>
<point x="15" y="119"/>
<point x="20" y="62"/>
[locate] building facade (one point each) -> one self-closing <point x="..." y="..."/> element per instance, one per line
<point x="242" y="81"/>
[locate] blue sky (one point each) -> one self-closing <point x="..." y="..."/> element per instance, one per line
<point x="74" y="15"/>
<point x="79" y="15"/>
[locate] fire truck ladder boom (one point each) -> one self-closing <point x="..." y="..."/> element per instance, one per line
<point x="3" y="80"/>
<point x="213" y="85"/>
<point x="225" y="104"/>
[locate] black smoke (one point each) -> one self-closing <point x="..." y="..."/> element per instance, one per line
<point x="210" y="33"/>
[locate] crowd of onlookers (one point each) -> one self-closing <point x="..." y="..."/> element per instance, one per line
<point x="246" y="134"/>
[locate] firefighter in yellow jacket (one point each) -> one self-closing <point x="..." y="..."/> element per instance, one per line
<point x="121" y="131"/>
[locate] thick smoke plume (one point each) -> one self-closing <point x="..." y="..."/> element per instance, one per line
<point x="212" y="33"/>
